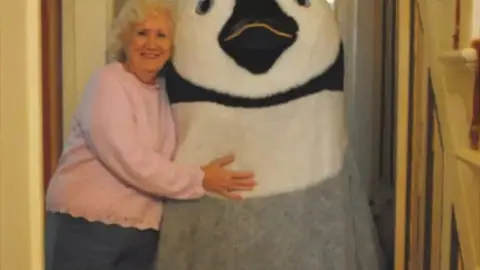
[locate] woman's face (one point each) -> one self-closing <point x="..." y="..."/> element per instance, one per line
<point x="150" y="44"/>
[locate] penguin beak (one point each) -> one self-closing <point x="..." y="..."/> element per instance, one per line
<point x="257" y="25"/>
<point x="256" y="34"/>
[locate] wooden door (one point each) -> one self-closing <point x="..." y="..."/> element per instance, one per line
<point x="51" y="85"/>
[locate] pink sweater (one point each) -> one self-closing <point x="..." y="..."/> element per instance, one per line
<point x="116" y="166"/>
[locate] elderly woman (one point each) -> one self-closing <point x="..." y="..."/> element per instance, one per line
<point x="106" y="193"/>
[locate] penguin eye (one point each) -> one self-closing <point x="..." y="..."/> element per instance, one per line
<point x="204" y="6"/>
<point x="303" y="3"/>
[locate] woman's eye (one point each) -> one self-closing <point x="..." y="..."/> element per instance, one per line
<point x="303" y="3"/>
<point x="142" y="33"/>
<point x="204" y="6"/>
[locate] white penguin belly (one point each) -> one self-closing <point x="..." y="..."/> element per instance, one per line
<point x="289" y="147"/>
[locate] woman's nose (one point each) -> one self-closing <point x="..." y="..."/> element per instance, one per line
<point x="151" y="41"/>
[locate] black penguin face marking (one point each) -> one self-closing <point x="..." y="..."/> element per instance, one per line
<point x="204" y="6"/>
<point x="303" y="3"/>
<point x="257" y="33"/>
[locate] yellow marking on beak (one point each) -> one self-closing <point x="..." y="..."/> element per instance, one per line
<point x="253" y="25"/>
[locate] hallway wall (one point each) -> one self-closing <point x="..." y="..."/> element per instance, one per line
<point x="369" y="113"/>
<point x="362" y="32"/>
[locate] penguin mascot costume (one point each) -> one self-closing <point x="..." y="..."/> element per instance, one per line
<point x="263" y="79"/>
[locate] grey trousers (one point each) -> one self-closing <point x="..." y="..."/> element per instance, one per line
<point x="82" y="245"/>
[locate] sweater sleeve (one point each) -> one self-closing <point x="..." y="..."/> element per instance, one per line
<point x="107" y="121"/>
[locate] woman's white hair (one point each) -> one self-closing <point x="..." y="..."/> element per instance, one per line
<point x="131" y="13"/>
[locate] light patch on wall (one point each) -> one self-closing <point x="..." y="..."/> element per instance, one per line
<point x="476" y="19"/>
<point x="84" y="30"/>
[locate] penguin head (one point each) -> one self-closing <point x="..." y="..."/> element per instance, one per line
<point x="254" y="48"/>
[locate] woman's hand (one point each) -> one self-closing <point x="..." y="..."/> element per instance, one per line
<point x="224" y="182"/>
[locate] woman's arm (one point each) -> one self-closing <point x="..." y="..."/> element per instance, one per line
<point x="107" y="120"/>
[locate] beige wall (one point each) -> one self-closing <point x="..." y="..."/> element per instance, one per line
<point x="21" y="191"/>
<point x="476" y="19"/>
<point x="118" y="5"/>
<point x="85" y="27"/>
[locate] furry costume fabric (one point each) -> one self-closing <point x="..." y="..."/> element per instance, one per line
<point x="264" y="80"/>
